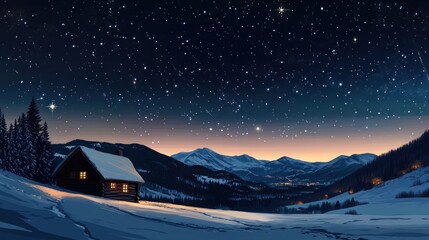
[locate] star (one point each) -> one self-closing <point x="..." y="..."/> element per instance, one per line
<point x="258" y="129"/>
<point x="52" y="107"/>
<point x="282" y="10"/>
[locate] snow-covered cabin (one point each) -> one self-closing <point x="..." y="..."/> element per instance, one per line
<point x="97" y="173"/>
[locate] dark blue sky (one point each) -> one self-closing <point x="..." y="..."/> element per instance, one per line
<point x="237" y="76"/>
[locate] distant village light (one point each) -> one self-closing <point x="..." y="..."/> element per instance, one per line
<point x="350" y="190"/>
<point x="416" y="165"/>
<point x="377" y="181"/>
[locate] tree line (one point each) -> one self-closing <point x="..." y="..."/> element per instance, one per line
<point x="323" y="207"/>
<point x="25" y="147"/>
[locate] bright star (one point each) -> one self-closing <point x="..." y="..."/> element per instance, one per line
<point x="283" y="10"/>
<point x="258" y="129"/>
<point x="52" y="107"/>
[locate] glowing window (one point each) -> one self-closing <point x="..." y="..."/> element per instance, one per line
<point x="125" y="188"/>
<point x="112" y="185"/>
<point x="82" y="175"/>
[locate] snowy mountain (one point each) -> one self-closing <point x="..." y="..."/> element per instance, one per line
<point x="282" y="171"/>
<point x="210" y="159"/>
<point x="30" y="210"/>
<point x="337" y="168"/>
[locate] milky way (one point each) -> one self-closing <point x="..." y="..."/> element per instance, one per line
<point x="314" y="80"/>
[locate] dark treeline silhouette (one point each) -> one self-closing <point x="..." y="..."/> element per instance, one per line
<point x="321" y="208"/>
<point x="25" y="148"/>
<point x="411" y="194"/>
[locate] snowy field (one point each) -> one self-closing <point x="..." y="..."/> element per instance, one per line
<point x="33" y="211"/>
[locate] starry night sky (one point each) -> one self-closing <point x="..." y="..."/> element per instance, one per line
<point x="311" y="81"/>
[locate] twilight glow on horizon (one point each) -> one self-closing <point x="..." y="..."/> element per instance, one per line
<point x="306" y="79"/>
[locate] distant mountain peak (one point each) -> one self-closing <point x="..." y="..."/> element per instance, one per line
<point x="283" y="168"/>
<point x="204" y="149"/>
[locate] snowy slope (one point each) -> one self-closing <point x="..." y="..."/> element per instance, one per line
<point x="382" y="199"/>
<point x="285" y="169"/>
<point x="32" y="211"/>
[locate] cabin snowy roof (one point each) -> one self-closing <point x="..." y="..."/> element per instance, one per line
<point x="111" y="167"/>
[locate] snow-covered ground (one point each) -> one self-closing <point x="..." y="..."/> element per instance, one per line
<point x="32" y="211"/>
<point x="382" y="199"/>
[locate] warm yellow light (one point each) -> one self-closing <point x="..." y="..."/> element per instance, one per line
<point x="377" y="181"/>
<point x="125" y="188"/>
<point x="416" y="165"/>
<point x="112" y="185"/>
<point x="82" y="175"/>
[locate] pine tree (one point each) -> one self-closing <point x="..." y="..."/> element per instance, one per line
<point x="3" y="139"/>
<point x="34" y="120"/>
<point x="337" y="205"/>
<point x="27" y="148"/>
<point x="44" y="163"/>
<point x="9" y="138"/>
<point x="27" y="156"/>
<point x="35" y="131"/>
<point x="17" y="144"/>
<point x="11" y="163"/>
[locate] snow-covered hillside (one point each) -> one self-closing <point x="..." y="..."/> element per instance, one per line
<point x="383" y="199"/>
<point x="283" y="170"/>
<point x="32" y="211"/>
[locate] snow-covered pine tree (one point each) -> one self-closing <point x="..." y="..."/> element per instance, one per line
<point x="27" y="156"/>
<point x="45" y="161"/>
<point x="12" y="161"/>
<point x="35" y="129"/>
<point x="28" y="151"/>
<point x="3" y="137"/>
<point x="18" y="154"/>
<point x="34" y="123"/>
<point x="9" y="148"/>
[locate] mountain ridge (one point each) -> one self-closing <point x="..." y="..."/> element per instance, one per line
<point x="284" y="169"/>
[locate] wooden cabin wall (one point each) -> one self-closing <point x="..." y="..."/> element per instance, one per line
<point x="68" y="176"/>
<point x="117" y="193"/>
